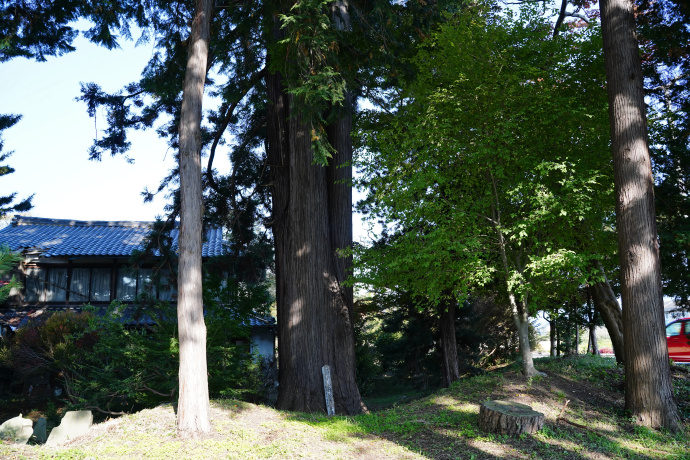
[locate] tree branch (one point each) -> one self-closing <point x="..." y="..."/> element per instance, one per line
<point x="226" y="120"/>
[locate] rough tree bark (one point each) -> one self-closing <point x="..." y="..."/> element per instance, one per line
<point x="193" y="413"/>
<point x="449" y="342"/>
<point x="311" y="223"/>
<point x="606" y="304"/>
<point x="648" y="393"/>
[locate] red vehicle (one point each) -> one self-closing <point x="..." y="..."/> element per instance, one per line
<point x="678" y="340"/>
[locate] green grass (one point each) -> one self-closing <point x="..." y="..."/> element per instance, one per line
<point x="441" y="425"/>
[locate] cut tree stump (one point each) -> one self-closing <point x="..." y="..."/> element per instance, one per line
<point x="507" y="417"/>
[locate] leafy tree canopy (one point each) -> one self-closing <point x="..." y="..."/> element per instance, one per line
<point x="501" y="141"/>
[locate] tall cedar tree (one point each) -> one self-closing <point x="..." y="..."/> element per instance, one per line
<point x="648" y="393"/>
<point x="193" y="410"/>
<point x="312" y="225"/>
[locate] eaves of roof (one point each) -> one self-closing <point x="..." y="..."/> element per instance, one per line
<point x="63" y="237"/>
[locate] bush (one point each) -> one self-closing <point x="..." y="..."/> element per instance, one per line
<point x="126" y="368"/>
<point x="48" y="346"/>
<point x="108" y="365"/>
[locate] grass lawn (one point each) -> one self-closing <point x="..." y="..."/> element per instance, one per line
<point x="442" y="425"/>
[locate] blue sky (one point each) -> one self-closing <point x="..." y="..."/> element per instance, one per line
<point x="51" y="141"/>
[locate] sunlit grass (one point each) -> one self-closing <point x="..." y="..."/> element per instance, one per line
<point x="441" y="425"/>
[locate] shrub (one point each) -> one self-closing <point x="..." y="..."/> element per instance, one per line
<point x="108" y="365"/>
<point x="126" y="368"/>
<point x="48" y="345"/>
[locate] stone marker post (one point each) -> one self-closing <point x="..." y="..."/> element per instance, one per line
<point x="328" y="389"/>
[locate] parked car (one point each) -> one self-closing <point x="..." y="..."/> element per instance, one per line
<point x="678" y="340"/>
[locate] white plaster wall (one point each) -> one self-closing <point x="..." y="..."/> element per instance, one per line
<point x="262" y="342"/>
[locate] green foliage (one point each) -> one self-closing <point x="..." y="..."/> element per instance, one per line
<point x="500" y="141"/>
<point x="48" y="346"/>
<point x="6" y="202"/>
<point x="233" y="371"/>
<point x="8" y="261"/>
<point x="666" y="62"/>
<point x="126" y="368"/>
<point x="397" y="336"/>
<point x="35" y="30"/>
<point x="107" y="362"/>
<point x="367" y="330"/>
<point x="310" y="66"/>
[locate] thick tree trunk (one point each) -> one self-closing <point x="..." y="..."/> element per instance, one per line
<point x="314" y="309"/>
<point x="552" y="336"/>
<point x="648" y="393"/>
<point x="311" y="224"/>
<point x="606" y="304"/>
<point x="193" y="413"/>
<point x="449" y="342"/>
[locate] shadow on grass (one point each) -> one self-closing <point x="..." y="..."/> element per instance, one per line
<point x="445" y="425"/>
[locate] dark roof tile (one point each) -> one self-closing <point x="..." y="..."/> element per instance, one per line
<point x="64" y="237"/>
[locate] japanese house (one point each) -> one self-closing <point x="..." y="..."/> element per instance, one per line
<point x="69" y="263"/>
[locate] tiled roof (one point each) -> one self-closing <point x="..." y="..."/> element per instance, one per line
<point x="63" y="237"/>
<point x="258" y="321"/>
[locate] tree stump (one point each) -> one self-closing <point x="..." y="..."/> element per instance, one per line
<point x="507" y="417"/>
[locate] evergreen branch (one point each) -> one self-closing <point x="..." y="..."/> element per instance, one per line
<point x="226" y="121"/>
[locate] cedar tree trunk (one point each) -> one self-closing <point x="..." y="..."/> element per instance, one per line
<point x="648" y="393"/>
<point x="311" y="224"/>
<point x="193" y="413"/>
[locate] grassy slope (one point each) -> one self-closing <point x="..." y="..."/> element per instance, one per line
<point x="440" y="426"/>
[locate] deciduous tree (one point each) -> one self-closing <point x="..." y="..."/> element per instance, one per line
<point x="492" y="166"/>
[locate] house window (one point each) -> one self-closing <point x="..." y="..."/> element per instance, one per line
<point x="100" y="284"/>
<point x="79" y="285"/>
<point x="132" y="283"/>
<point x="46" y="285"/>
<point x="35" y="284"/>
<point x="144" y="282"/>
<point x="50" y="284"/>
<point x="126" y="289"/>
<point x="90" y="284"/>
<point x="166" y="290"/>
<point x="56" y="285"/>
